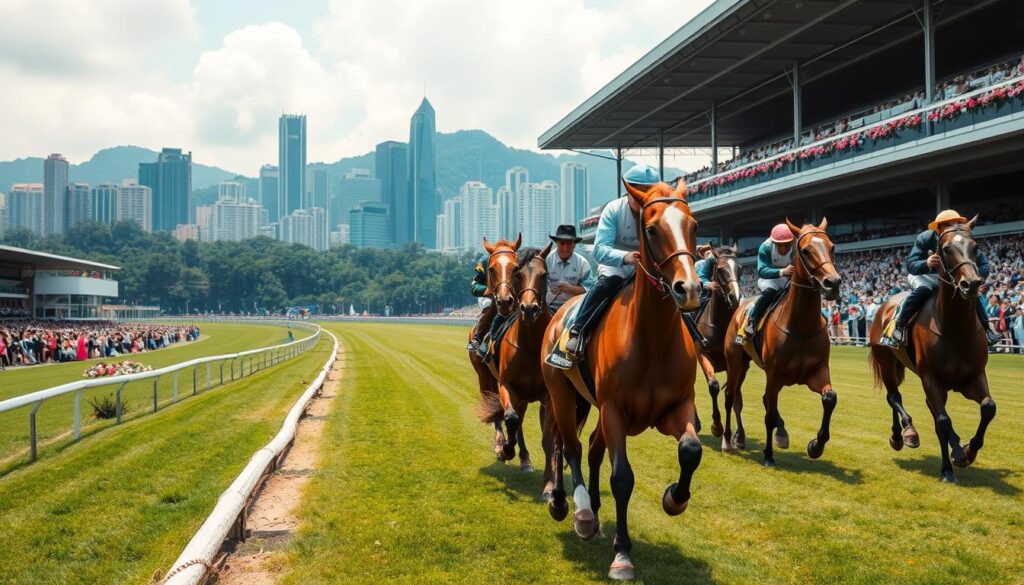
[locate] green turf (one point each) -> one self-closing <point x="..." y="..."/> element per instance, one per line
<point x="54" y="419"/>
<point x="117" y="507"/>
<point x="409" y="491"/>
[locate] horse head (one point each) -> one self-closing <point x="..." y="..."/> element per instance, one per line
<point x="668" y="239"/>
<point x="533" y="282"/>
<point x="958" y="255"/>
<point x="727" y="274"/>
<point x="814" y="258"/>
<point x="502" y="268"/>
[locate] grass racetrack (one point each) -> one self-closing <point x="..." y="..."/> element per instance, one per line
<point x="123" y="503"/>
<point x="408" y="490"/>
<point x="54" y="420"/>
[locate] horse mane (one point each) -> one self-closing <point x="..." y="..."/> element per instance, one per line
<point x="725" y="251"/>
<point x="527" y="254"/>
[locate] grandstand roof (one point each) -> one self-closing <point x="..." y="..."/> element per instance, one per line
<point x="737" y="53"/>
<point x="9" y="255"/>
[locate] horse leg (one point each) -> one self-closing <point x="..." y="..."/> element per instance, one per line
<point x="547" y="442"/>
<point x="525" y="464"/>
<point x="821" y="383"/>
<point x="713" y="390"/>
<point x="936" y="399"/>
<point x="739" y="440"/>
<point x="771" y="413"/>
<point x="563" y="407"/>
<point x="736" y="372"/>
<point x="679" y="424"/>
<point x="781" y="434"/>
<point x="511" y="422"/>
<point x="622" y="480"/>
<point x="594" y="457"/>
<point x="887" y="371"/>
<point x="978" y="391"/>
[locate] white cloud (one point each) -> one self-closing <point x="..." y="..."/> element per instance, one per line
<point x="82" y="81"/>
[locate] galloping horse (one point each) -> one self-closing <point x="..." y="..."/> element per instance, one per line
<point x="946" y="349"/>
<point x="642" y="365"/>
<point x="502" y="266"/>
<point x="518" y="369"/>
<point x="795" y="346"/>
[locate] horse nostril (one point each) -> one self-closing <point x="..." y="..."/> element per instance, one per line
<point x="679" y="287"/>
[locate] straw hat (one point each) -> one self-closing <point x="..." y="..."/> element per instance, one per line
<point x="946" y="216"/>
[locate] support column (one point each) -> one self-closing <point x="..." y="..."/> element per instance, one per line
<point x="618" y="172"/>
<point x="941" y="188"/>
<point x="714" y="138"/>
<point x="797" y="105"/>
<point x="929" y="51"/>
<point x="661" y="154"/>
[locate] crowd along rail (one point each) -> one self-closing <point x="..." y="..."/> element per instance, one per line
<point x="256" y="360"/>
<point x="228" y="515"/>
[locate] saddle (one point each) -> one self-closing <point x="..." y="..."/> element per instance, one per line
<point x="904" y="353"/>
<point x="755" y="346"/>
<point x="493" y="343"/>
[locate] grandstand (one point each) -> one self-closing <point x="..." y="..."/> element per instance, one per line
<point x="874" y="113"/>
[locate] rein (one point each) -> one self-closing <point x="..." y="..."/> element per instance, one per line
<point x="501" y="282"/>
<point x="948" y="273"/>
<point x="810" y="271"/>
<point x="658" y="281"/>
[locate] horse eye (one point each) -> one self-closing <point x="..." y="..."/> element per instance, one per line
<point x="946" y="249"/>
<point x="650" y="230"/>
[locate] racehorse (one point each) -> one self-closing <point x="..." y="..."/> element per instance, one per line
<point x="518" y="369"/>
<point x="502" y="266"/>
<point x="642" y="364"/>
<point x="795" y="342"/>
<point x="712" y="324"/>
<point x="946" y="349"/>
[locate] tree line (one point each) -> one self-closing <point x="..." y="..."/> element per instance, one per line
<point x="262" y="273"/>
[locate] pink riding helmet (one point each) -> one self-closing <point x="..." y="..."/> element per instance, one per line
<point x="781" y="234"/>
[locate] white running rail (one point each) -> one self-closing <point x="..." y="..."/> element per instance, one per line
<point x="229" y="513"/>
<point x="256" y="359"/>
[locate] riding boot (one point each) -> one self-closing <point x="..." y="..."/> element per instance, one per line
<point x="691" y="326"/>
<point x="911" y="306"/>
<point x="761" y="305"/>
<point x="993" y="337"/>
<point x="496" y="323"/>
<point x="482" y="326"/>
<point x="588" y="315"/>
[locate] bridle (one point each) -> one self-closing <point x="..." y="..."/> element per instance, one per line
<point x="501" y="282"/>
<point x="540" y="297"/>
<point x="658" y="281"/>
<point x="812" y="268"/>
<point x="724" y="287"/>
<point x="946" y="275"/>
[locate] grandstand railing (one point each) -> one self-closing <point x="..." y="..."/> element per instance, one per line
<point x="799" y="165"/>
<point x="256" y="360"/>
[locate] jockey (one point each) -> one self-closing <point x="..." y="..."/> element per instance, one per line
<point x="568" y="272"/>
<point x="490" y="321"/>
<point x="774" y="267"/>
<point x="705" y="268"/>
<point x="923" y="265"/>
<point x="617" y="251"/>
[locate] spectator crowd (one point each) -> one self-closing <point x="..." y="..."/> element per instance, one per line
<point x="26" y="342"/>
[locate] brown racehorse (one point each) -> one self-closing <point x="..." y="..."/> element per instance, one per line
<point x="502" y="266"/>
<point x="643" y="367"/>
<point x="518" y="370"/>
<point x="795" y="343"/>
<point x="949" y="352"/>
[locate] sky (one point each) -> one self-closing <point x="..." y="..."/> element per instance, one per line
<point x="213" y="76"/>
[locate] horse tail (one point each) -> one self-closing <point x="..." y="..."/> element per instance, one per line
<point x="489" y="409"/>
<point x="879" y="375"/>
<point x="876" y="368"/>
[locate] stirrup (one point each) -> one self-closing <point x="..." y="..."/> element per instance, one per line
<point x="993" y="338"/>
<point x="572" y="347"/>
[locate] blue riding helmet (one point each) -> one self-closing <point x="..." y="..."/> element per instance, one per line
<point x="641" y="174"/>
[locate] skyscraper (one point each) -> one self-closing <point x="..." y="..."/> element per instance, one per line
<point x="515" y="178"/>
<point x="268" y="195"/>
<point x="536" y="203"/>
<point x="479" y="215"/>
<point x="449" y="228"/>
<point x="298" y="228"/>
<point x="135" y="203"/>
<point x="391" y="168"/>
<point x="369" y="225"/>
<point x="575" y="200"/>
<point x="25" y="207"/>
<point x="104" y="203"/>
<point x="357" y="185"/>
<point x="318" y="188"/>
<point x="55" y="187"/>
<point x="422" y="175"/>
<point x="233" y="217"/>
<point x="291" y="161"/>
<point x="170" y="180"/>
<point x="78" y="206"/>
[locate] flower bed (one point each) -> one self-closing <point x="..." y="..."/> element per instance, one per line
<point x="102" y="370"/>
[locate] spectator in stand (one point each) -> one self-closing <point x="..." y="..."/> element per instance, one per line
<point x="870" y="310"/>
<point x="31" y="342"/>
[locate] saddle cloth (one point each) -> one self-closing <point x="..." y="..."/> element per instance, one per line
<point x="754" y="348"/>
<point x="557" y="357"/>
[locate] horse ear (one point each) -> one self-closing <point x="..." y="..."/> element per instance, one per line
<point x="547" y="250"/>
<point x="735" y="248"/>
<point x="519" y="241"/>
<point x="824" y="223"/>
<point x="793" y="228"/>
<point x="704" y="249"/>
<point x="974" y="220"/>
<point x="681" y="189"/>
<point x="635" y="193"/>
<point x="488" y="246"/>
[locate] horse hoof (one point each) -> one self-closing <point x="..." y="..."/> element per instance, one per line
<point x="961" y="462"/>
<point x="673" y="508"/>
<point x="970" y="453"/>
<point x="584" y="522"/>
<point x="740" y="441"/>
<point x="896" y="442"/>
<point x="716" y="429"/>
<point x="508" y="453"/>
<point x="726" y="445"/>
<point x="948" y="477"/>
<point x="911" y="438"/>
<point x="526" y="466"/>
<point x="697" y="426"/>
<point x="782" y="440"/>
<point x="770" y="463"/>
<point x="815" y="449"/>
<point x="622" y="568"/>
<point x="556" y="511"/>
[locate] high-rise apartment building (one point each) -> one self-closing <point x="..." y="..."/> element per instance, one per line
<point x="233" y="217"/>
<point x="24" y="205"/>
<point x="536" y="205"/>
<point x="575" y="197"/>
<point x="55" y="187"/>
<point x="368" y="225"/>
<point x="231" y="190"/>
<point x="135" y="203"/>
<point x="318" y="188"/>
<point x="297" y="228"/>
<point x="104" y="203"/>
<point x="449" y="227"/>
<point x="391" y="167"/>
<point x="268" y="195"/>
<point x="422" y="175"/>
<point x="170" y="182"/>
<point x="508" y="223"/>
<point x="357" y="185"/>
<point x="321" y="229"/>
<point x="291" y="162"/>
<point x="78" y="205"/>
<point x="479" y="215"/>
